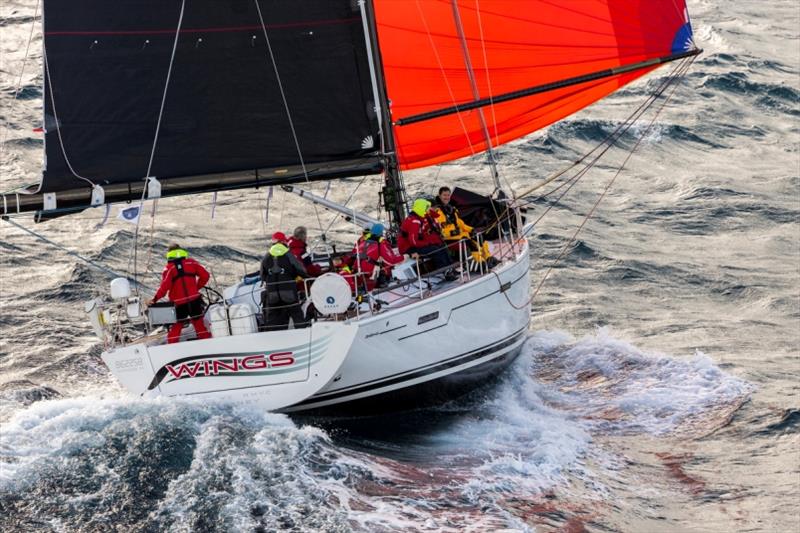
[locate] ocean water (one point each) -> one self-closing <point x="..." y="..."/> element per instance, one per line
<point x="657" y="391"/>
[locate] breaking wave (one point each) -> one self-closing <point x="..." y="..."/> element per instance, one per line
<point x="479" y="463"/>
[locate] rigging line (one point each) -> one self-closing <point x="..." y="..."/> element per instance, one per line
<point x="135" y="255"/>
<point x="610" y="183"/>
<point x="57" y="125"/>
<point x="264" y="204"/>
<point x="444" y="75"/>
<point x="336" y="216"/>
<point x="21" y="72"/>
<point x="475" y="92"/>
<point x="151" y="240"/>
<point x="86" y="260"/>
<point x="489" y="86"/>
<point x="166" y="87"/>
<point x="285" y="102"/>
<point x="283" y="206"/>
<point x="610" y="136"/>
<point x="436" y="177"/>
<point x="611" y="139"/>
<point x="488" y="77"/>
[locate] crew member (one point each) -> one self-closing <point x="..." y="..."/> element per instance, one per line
<point x="280" y="301"/>
<point x="376" y="257"/>
<point x="344" y="270"/>
<point x="455" y="230"/>
<point x="419" y="234"/>
<point x="182" y="279"/>
<point x="297" y="245"/>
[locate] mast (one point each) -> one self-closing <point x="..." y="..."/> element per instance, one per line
<point x="394" y="192"/>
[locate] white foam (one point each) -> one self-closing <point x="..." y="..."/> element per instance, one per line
<point x="614" y="386"/>
<point x="530" y="434"/>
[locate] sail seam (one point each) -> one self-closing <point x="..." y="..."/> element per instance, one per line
<point x="444" y="76"/>
<point x="475" y="92"/>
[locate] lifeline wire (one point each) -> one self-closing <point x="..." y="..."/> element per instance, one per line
<point x="76" y="255"/>
<point x="153" y="150"/>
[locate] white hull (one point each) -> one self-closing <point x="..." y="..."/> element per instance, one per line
<point x="474" y="325"/>
<point x="469" y="331"/>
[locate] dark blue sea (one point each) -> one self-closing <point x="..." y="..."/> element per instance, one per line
<point x="657" y="391"/>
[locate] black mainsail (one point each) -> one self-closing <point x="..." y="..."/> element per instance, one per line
<point x="202" y="95"/>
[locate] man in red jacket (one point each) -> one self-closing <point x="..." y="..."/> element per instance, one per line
<point x="182" y="278"/>
<point x="419" y="234"/>
<point x="297" y="245"/>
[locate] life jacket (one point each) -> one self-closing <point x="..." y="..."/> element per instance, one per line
<point x="182" y="278"/>
<point x="298" y="247"/>
<point x="349" y="277"/>
<point x="417" y="232"/>
<point x="372" y="250"/>
<point x="279" y="274"/>
<point x="452" y="227"/>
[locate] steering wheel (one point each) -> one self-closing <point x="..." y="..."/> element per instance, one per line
<point x="212" y="296"/>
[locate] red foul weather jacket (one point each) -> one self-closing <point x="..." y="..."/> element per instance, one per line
<point x="418" y="232"/>
<point x="182" y="279"/>
<point x="299" y="248"/>
<point x="369" y="251"/>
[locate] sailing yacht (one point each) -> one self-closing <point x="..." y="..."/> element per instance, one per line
<point x="147" y="100"/>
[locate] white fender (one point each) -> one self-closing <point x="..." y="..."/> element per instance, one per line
<point x="94" y="308"/>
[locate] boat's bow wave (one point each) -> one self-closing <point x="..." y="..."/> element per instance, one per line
<point x="508" y="456"/>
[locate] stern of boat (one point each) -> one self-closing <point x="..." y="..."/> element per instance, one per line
<point x="274" y="369"/>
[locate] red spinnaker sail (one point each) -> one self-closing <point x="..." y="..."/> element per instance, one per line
<point x="511" y="45"/>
